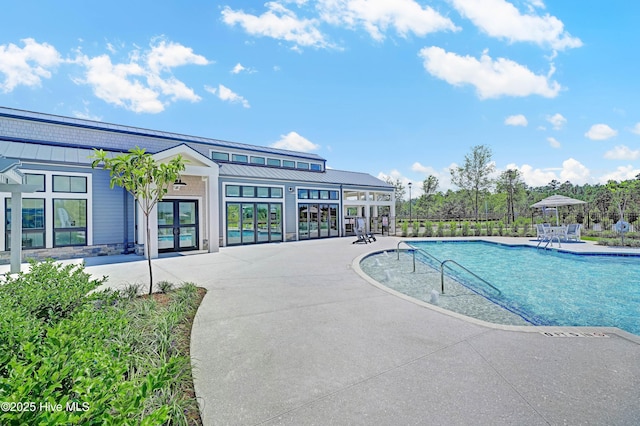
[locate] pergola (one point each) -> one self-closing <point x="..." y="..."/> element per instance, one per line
<point x="11" y="182"/>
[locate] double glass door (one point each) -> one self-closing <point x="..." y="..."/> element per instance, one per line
<point x="317" y="220"/>
<point x="177" y="225"/>
<point x="250" y="223"/>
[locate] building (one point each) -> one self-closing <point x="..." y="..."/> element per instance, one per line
<point x="229" y="194"/>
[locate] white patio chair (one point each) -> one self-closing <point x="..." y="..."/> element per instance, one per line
<point x="573" y="232"/>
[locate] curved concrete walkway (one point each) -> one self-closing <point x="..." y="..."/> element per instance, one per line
<point x="290" y="334"/>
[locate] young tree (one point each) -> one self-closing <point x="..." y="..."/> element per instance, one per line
<point x="429" y="188"/>
<point x="144" y="178"/>
<point x="474" y="175"/>
<point x="510" y="182"/>
<point x="399" y="192"/>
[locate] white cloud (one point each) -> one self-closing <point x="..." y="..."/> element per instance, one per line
<point x="294" y="142"/>
<point x="622" y="152"/>
<point x="376" y="16"/>
<point x="238" y="69"/>
<point x="553" y="142"/>
<point x="501" y="19"/>
<point x="228" y="95"/>
<point x="636" y="129"/>
<point x="166" y="55"/>
<point x="26" y="66"/>
<point x="574" y="172"/>
<point x="516" y="120"/>
<point x="571" y="170"/>
<point x="620" y="174"/>
<point x="557" y="121"/>
<point x="491" y="79"/>
<point x="600" y="132"/>
<point x="145" y="83"/>
<point x="278" y="23"/>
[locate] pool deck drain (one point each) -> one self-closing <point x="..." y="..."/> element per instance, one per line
<point x="290" y="334"/>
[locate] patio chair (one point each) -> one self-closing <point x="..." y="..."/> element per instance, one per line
<point x="573" y="232"/>
<point x="363" y="236"/>
<point x="543" y="232"/>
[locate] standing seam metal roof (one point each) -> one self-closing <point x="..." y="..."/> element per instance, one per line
<point x="330" y="176"/>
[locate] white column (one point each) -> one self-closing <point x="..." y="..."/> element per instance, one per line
<point x="16" y="231"/>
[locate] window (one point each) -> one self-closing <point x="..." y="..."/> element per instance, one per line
<point x="69" y="222"/>
<point x="276" y="192"/>
<point x="303" y="194"/>
<point x="37" y="180"/>
<point x="248" y="191"/>
<point x="220" y="156"/>
<point x="233" y="191"/>
<point x="263" y="192"/>
<point x="32" y="223"/>
<point x="324" y="195"/>
<point x="288" y="163"/>
<point x="303" y="165"/>
<point x="314" y="194"/>
<point x="273" y="162"/>
<point x="316" y="167"/>
<point x="77" y="184"/>
<point x="240" y="158"/>
<point x="257" y="160"/>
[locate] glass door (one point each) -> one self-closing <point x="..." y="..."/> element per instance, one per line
<point x="324" y="220"/>
<point x="262" y="220"/>
<point x="275" y="222"/>
<point x="303" y="221"/>
<point x="248" y="223"/>
<point x="177" y="225"/>
<point x="313" y="221"/>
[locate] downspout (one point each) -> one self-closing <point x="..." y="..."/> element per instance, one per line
<point x="125" y="227"/>
<point x="341" y="213"/>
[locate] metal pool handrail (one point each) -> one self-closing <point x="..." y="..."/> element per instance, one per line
<point x="442" y="263"/>
<point x="467" y="270"/>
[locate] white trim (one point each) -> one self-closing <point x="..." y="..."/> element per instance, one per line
<point x="48" y="195"/>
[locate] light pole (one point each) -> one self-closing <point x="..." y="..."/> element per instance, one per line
<point x="409" y="202"/>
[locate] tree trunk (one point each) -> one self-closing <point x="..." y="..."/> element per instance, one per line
<point x="148" y="250"/>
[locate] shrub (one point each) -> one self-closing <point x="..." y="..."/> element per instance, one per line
<point x="440" y="229"/>
<point x="415" y="227"/>
<point x="465" y="228"/>
<point x="428" y="229"/>
<point x="405" y="228"/>
<point x="453" y="226"/>
<point x="105" y="358"/>
<point x="478" y="229"/>
<point x="165" y="286"/>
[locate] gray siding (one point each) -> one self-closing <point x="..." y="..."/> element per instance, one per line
<point x="108" y="210"/>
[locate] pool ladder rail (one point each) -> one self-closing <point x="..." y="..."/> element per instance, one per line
<point x="549" y="242"/>
<point x="442" y="264"/>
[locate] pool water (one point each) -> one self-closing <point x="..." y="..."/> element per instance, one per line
<point x="547" y="287"/>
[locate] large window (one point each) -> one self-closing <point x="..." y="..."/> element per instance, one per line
<point x="34" y="179"/>
<point x="76" y="184"/>
<point x="69" y="222"/>
<point x="239" y="158"/>
<point x="33" y="223"/>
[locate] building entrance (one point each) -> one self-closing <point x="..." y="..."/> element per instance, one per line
<point x="317" y="220"/>
<point x="177" y="225"/>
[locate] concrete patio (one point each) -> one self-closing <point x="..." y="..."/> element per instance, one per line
<point x="292" y="334"/>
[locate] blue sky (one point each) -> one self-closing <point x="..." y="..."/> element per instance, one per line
<point x="398" y="88"/>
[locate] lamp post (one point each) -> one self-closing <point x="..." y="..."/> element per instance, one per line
<point x="409" y="202"/>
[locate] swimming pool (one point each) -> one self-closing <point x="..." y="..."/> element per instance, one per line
<point x="548" y="287"/>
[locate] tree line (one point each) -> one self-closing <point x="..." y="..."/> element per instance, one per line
<point x="480" y="197"/>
